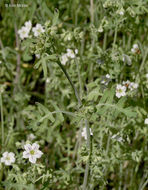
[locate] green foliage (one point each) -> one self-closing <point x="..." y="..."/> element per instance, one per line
<point x="40" y="94"/>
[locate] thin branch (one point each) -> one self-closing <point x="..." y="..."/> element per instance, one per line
<point x="18" y="66"/>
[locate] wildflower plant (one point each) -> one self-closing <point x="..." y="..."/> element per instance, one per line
<point x="73" y="95"/>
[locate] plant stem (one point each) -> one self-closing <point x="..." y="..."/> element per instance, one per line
<point x="71" y="83"/>
<point x="115" y="37"/>
<point x="104" y="41"/>
<point x="2" y="119"/>
<point x="79" y="76"/>
<point x="86" y="125"/>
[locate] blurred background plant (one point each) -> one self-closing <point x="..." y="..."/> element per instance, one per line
<point x="75" y="65"/>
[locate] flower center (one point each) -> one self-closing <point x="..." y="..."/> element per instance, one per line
<point x="39" y="30"/>
<point x="8" y="158"/>
<point x="32" y="152"/>
<point x="120" y="90"/>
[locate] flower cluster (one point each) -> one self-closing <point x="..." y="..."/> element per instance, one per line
<point x="25" y="30"/>
<point x="70" y="54"/>
<point x="121" y="89"/>
<point x="130" y="85"/>
<point x="31" y="152"/>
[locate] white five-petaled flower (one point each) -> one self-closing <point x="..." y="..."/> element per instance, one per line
<point x="64" y="59"/>
<point x="120" y="90"/>
<point x="84" y="133"/>
<point x="37" y="30"/>
<point x="146" y="121"/>
<point x="23" y="32"/>
<point x="32" y="152"/>
<point x="135" y="48"/>
<point x="8" y="158"/>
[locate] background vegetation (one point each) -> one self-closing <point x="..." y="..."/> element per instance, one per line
<point x="57" y="103"/>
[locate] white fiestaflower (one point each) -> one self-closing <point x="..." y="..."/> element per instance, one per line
<point x="37" y="30"/>
<point x="8" y="158"/>
<point x="24" y="31"/>
<point x="120" y="90"/>
<point x="84" y="133"/>
<point x="32" y="152"/>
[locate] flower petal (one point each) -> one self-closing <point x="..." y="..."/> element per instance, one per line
<point x="35" y="146"/>
<point x="26" y="154"/>
<point x="28" y="147"/>
<point x="38" y="154"/>
<point x="5" y="154"/>
<point x="32" y="159"/>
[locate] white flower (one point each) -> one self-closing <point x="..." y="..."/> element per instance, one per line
<point x="120" y="90"/>
<point x="133" y="86"/>
<point x="37" y="30"/>
<point x="146" y="121"/>
<point x="135" y="48"/>
<point x="70" y="53"/>
<point x="0" y="62"/>
<point x="31" y="137"/>
<point x="23" y="32"/>
<point x="108" y="76"/>
<point x="37" y="56"/>
<point x="76" y="51"/>
<point x="32" y="152"/>
<point x="28" y="25"/>
<point x="84" y="133"/>
<point x="8" y="158"/>
<point x="64" y="59"/>
<point x="146" y="75"/>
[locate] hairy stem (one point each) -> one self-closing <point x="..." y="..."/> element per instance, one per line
<point x="71" y="83"/>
